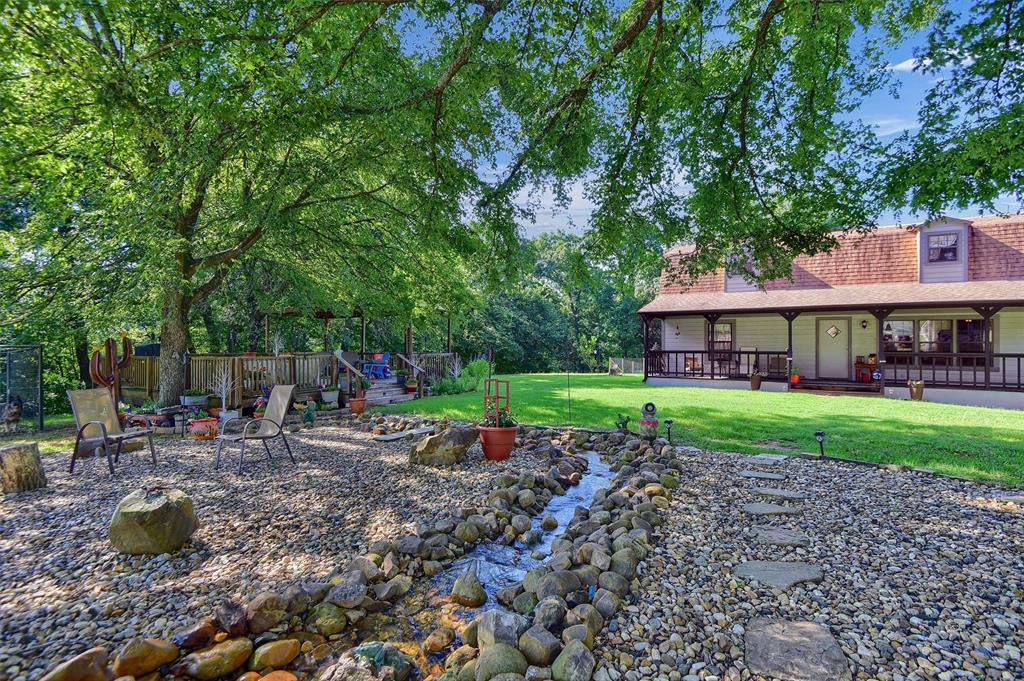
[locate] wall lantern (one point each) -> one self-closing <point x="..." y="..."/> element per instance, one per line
<point x="863" y="323"/>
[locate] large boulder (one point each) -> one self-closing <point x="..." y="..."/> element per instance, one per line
<point x="152" y="521"/>
<point x="89" y="666"/>
<point x="265" y="612"/>
<point x="499" y="626"/>
<point x="574" y="663"/>
<point x="216" y="661"/>
<point x="558" y="583"/>
<point x="140" y="656"/>
<point x="500" y="658"/>
<point x="444" y="449"/>
<point x="539" y="646"/>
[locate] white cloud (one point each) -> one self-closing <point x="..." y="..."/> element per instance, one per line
<point x="908" y="65"/>
<point x="890" y="125"/>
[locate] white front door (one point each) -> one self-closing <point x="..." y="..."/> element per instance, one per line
<point x="834" y="348"/>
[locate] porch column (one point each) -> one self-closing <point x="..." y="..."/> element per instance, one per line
<point x="880" y="314"/>
<point x="987" y="312"/>
<point x="789" y="317"/>
<point x="643" y="341"/>
<point x="712" y="318"/>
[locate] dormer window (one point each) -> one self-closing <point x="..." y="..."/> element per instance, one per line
<point x="943" y="247"/>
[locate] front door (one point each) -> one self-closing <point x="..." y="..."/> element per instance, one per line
<point x="834" y="348"/>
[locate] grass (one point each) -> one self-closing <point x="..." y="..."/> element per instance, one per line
<point x="973" y="442"/>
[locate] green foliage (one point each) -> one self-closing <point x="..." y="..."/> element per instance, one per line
<point x="195" y="392"/>
<point x="478" y="368"/>
<point x="503" y="419"/>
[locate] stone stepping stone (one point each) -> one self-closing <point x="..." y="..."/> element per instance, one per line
<point x="778" y="493"/>
<point x="776" y="536"/>
<point x="779" y="574"/>
<point x="761" y="475"/>
<point x="402" y="434"/>
<point x="793" y="651"/>
<point x="771" y="509"/>
<point x="767" y="458"/>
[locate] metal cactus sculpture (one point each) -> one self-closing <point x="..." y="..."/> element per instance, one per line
<point x="105" y="369"/>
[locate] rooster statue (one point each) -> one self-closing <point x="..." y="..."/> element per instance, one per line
<point x="10" y="414"/>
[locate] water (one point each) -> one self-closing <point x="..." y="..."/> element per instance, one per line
<point x="497" y="566"/>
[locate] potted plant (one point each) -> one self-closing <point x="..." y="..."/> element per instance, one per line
<point x="498" y="435"/>
<point x="358" y="403"/>
<point x="329" y="393"/>
<point x="194" y="397"/>
<point x="411" y="386"/>
<point x="794" y="375"/>
<point x="402" y="375"/>
<point x="202" y="426"/>
<point x="916" y="390"/>
<point x="755" y="380"/>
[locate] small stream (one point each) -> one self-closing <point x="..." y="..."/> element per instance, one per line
<point x="498" y="566"/>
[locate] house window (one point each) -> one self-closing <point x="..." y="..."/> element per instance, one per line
<point x="943" y="248"/>
<point x="934" y="336"/>
<point x="970" y="337"/>
<point x="897" y="337"/>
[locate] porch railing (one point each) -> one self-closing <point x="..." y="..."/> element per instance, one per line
<point x="435" y="364"/>
<point x="716" y="363"/>
<point x="957" y="369"/>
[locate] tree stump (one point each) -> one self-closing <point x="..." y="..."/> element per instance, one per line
<point x="21" y="469"/>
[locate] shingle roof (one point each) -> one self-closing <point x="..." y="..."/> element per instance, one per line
<point x="860" y="297"/>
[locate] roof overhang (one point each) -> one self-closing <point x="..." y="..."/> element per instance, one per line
<point x="910" y="295"/>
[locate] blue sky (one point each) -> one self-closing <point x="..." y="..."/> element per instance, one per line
<point x="890" y="114"/>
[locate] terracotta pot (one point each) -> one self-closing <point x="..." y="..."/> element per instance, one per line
<point x="411" y="389"/>
<point x="755" y="382"/>
<point x="357" y="405"/>
<point x="498" y="442"/>
<point x="203" y="429"/>
<point x="794" y="379"/>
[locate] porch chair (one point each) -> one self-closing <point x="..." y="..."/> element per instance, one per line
<point x="379" y="367"/>
<point x="98" y="426"/>
<point x="267" y="428"/>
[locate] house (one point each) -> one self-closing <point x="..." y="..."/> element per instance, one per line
<point x="941" y="302"/>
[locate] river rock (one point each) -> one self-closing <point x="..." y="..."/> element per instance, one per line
<point x="232" y="618"/>
<point x="327" y="618"/>
<point x="550" y="613"/>
<point x="444" y="449"/>
<point x="154" y="521"/>
<point x="275" y="654"/>
<point x="377" y="655"/>
<point x="549" y="522"/>
<point x="539" y="646"/>
<point x="467" y="532"/>
<point x="574" y="663"/>
<point x="265" y="612"/>
<point x="624" y="563"/>
<point x="21" y="469"/>
<point x="557" y="583"/>
<point x="521" y="524"/>
<point x="198" y="635"/>
<point x="216" y="661"/>
<point x="438" y="640"/>
<point x="794" y="651"/>
<point x="139" y="656"/>
<point x="468" y="591"/>
<point x="89" y="666"/>
<point x="586" y="615"/>
<point x="498" y="626"/>
<point x="578" y="632"/>
<point x="459" y="657"/>
<point x="348" y="594"/>
<point x="500" y="658"/>
<point x="607" y="603"/>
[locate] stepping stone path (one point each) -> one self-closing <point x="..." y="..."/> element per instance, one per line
<point x="761" y="475"/>
<point x="778" y="493"/>
<point x="780" y="649"/>
<point x="794" y="651"/>
<point x="768" y="458"/>
<point x="771" y="509"/>
<point x="781" y="575"/>
<point x="776" y="536"/>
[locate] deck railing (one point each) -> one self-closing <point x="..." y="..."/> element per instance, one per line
<point x="957" y="369"/>
<point x="716" y="364"/>
<point x="435" y="364"/>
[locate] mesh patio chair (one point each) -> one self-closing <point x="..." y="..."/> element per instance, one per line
<point x="98" y="426"/>
<point x="266" y="428"/>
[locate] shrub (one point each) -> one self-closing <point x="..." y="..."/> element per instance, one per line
<point x="478" y="368"/>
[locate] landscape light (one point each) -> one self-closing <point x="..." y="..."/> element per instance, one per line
<point x="668" y="425"/>
<point x="820" y="437"/>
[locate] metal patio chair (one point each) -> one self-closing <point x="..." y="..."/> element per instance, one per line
<point x="267" y="428"/>
<point x="98" y="426"/>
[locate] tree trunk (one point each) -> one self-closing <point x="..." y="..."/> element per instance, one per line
<point x="82" y="355"/>
<point x="173" y="344"/>
<point x="21" y="469"/>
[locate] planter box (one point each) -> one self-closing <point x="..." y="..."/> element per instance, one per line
<point x="193" y="400"/>
<point x="329" y="396"/>
<point x="228" y="414"/>
<point x="498" y="443"/>
<point x="203" y="429"/>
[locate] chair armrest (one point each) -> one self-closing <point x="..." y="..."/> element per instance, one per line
<point x="103" y="428"/>
<point x="275" y="423"/>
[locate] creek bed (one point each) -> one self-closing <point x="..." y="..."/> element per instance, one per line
<point x="498" y="566"/>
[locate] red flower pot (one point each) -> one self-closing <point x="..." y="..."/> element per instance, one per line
<point x="498" y="442"/>
<point x="794" y="379"/>
<point x="357" y="405"/>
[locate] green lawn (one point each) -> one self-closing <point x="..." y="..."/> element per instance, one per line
<point x="975" y="442"/>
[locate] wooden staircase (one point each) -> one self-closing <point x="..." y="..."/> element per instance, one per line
<point x="387" y="391"/>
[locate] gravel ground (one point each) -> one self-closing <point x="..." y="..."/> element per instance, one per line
<point x="923" y="576"/>
<point x="65" y="589"/>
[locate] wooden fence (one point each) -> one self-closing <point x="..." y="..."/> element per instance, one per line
<point x="307" y="370"/>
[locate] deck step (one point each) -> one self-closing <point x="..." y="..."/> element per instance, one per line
<point x="372" y="401"/>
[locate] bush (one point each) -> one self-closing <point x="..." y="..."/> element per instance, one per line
<point x="478" y="368"/>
